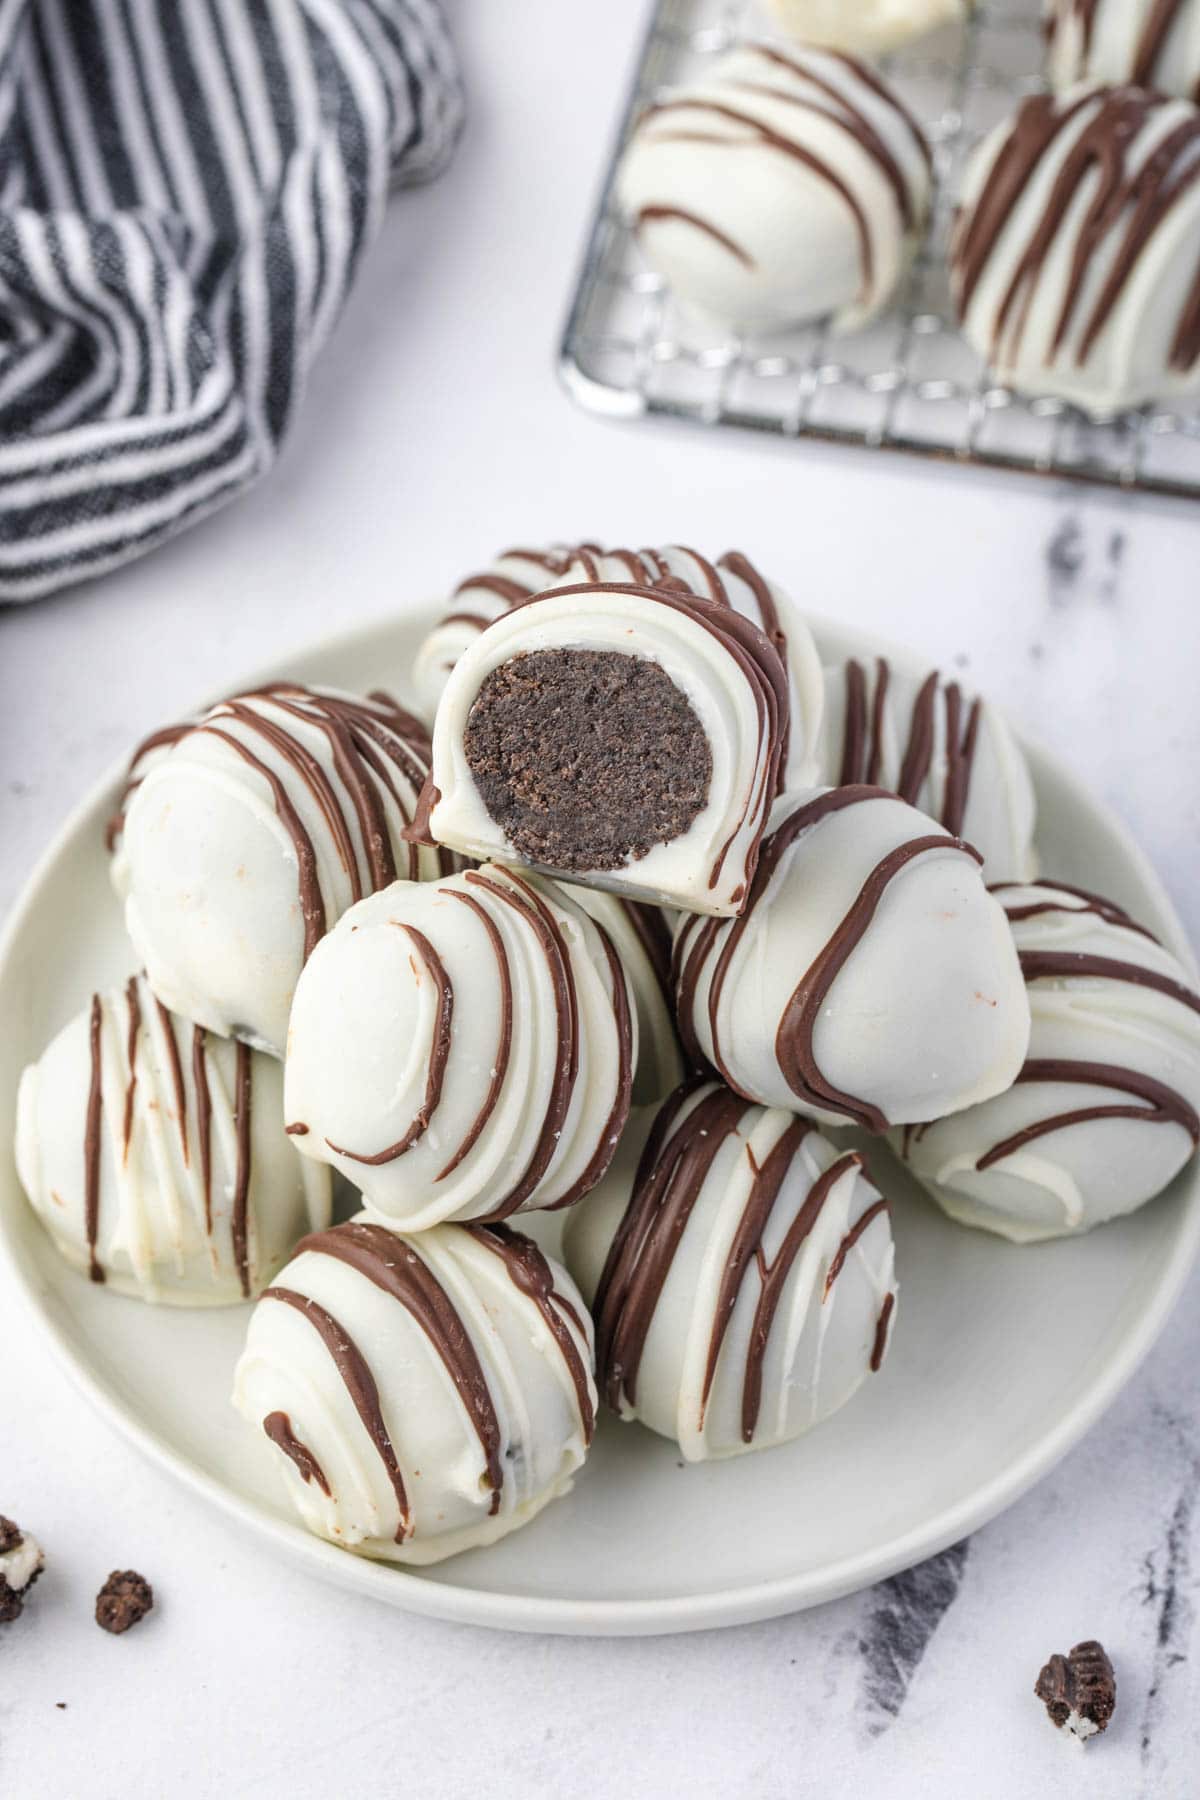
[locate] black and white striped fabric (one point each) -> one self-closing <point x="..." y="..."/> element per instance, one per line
<point x="186" y="190"/>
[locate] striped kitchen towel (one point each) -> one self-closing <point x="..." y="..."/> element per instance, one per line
<point x="186" y="190"/>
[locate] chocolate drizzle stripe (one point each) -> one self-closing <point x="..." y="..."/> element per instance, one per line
<point x="1160" y="1105"/>
<point x="530" y="1272"/>
<point x="1079" y="965"/>
<point x="503" y="1047"/>
<point x="856" y="1231"/>
<point x="355" y="1372"/>
<point x="746" y="1242"/>
<point x="882" y="1329"/>
<point x="439" y="1052"/>
<point x="238" y="1218"/>
<point x="303" y="763"/>
<point x="774" y="1281"/>
<point x="278" y="1428"/>
<point x="399" y="1271"/>
<point x="203" y="1118"/>
<point x="619" y="1111"/>
<point x="1108" y="910"/>
<point x="657" y="215"/>
<point x="768" y="138"/>
<point x="639" y="1260"/>
<point x="502" y="586"/>
<point x="312" y="905"/>
<point x="91" y="1144"/>
<point x="131" y="1052"/>
<point x="177" y="1088"/>
<point x="566" y="1062"/>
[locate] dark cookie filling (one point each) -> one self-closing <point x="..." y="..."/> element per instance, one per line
<point x="10" y="1535"/>
<point x="125" y="1598"/>
<point x="587" y="758"/>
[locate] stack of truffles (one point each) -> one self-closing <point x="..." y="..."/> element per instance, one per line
<point x="659" y="904"/>
<point x="791" y="184"/>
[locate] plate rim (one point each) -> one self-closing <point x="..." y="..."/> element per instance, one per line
<point x="461" y="1603"/>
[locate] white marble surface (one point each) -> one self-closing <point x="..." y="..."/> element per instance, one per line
<point x="434" y="433"/>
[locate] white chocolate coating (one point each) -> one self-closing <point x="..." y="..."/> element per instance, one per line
<point x="785" y="185"/>
<point x="736" y="696"/>
<point x="462" y="1049"/>
<point x="250" y="832"/>
<point x="1104" y="318"/>
<point x="872" y="977"/>
<point x="868" y="26"/>
<point x="641" y="936"/>
<point x="422" y="1395"/>
<point x="947" y="754"/>
<point x="1067" y="1177"/>
<point x="22" y="1564"/>
<point x="476" y="602"/>
<point x="1151" y="43"/>
<point x="195" y="1204"/>
<point x="733" y="581"/>
<point x="778" y="1296"/>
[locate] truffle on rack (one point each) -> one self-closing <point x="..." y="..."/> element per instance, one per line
<point x="622" y="736"/>
<point x="155" y="1155"/>
<point x="870" y="26"/>
<point x="951" y="755"/>
<point x="871" y="978"/>
<point x="424" y="1394"/>
<point x="1104" y="1112"/>
<point x="462" y="1049"/>
<point x="244" y="834"/>
<point x="1073" y="261"/>
<point x="739" y="1270"/>
<point x="1145" y="43"/>
<point x="782" y="186"/>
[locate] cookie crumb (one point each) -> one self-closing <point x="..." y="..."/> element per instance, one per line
<point x="1079" y="1690"/>
<point x="125" y="1598"/>
<point x="21" y="1562"/>
<point x="61" y="1705"/>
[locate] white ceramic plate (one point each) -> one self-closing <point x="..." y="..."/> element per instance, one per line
<point x="1001" y="1357"/>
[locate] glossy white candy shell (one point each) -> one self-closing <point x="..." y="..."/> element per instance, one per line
<point x="890" y="1480"/>
<point x="866" y="25"/>
<point x="1110" y="52"/>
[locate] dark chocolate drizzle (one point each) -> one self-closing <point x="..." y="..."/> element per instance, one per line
<point x="824" y="98"/>
<point x="531" y="1273"/>
<point x="1149" y="47"/>
<point x="676" y="1160"/>
<point x="439" y="1052"/>
<point x="794" y="1045"/>
<point x="278" y="1428"/>
<point x="238" y="1221"/>
<point x="134" y="1011"/>
<point x="863" y="739"/>
<point x="375" y="746"/>
<point x="1126" y="209"/>
<point x="396" y="1268"/>
<point x="355" y="1372"/>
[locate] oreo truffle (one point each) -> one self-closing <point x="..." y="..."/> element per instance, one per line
<point x="620" y="736"/>
<point x="1146" y="43"/>
<point x="946" y="752"/>
<point x="784" y="186"/>
<point x="869" y="26"/>
<point x="872" y="978"/>
<point x="476" y="603"/>
<point x="1073" y="261"/>
<point x="641" y="936"/>
<point x="244" y="834"/>
<point x="155" y="1156"/>
<point x="462" y="1049"/>
<point x="1104" y="1112"/>
<point x="420" y="1395"/>
<point x="739" y="1270"/>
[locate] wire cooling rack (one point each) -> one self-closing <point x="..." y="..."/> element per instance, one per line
<point x="909" y="382"/>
